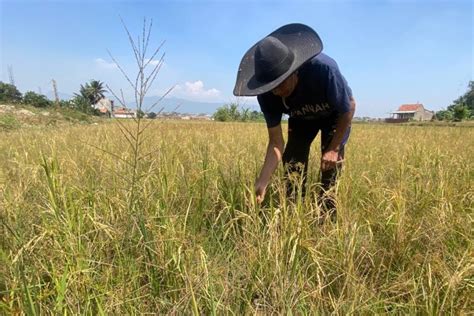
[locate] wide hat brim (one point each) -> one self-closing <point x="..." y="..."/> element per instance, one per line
<point x="302" y="40"/>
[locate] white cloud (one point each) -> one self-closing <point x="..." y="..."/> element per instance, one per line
<point x="153" y="62"/>
<point x="196" y="91"/>
<point x="105" y="64"/>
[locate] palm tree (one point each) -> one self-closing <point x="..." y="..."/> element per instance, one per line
<point x="97" y="90"/>
<point x="93" y="91"/>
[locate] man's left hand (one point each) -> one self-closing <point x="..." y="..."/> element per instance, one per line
<point x="329" y="160"/>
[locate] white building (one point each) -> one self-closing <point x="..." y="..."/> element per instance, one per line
<point x="124" y="113"/>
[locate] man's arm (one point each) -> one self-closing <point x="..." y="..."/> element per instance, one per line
<point x="330" y="156"/>
<point x="272" y="158"/>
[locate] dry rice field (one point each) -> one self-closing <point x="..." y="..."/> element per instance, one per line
<point x="93" y="223"/>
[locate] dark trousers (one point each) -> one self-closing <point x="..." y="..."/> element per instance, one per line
<point x="301" y="134"/>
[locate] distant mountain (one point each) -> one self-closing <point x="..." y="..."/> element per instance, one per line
<point x="181" y="105"/>
<point x="168" y="104"/>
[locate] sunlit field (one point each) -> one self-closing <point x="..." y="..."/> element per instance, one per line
<point x="93" y="225"/>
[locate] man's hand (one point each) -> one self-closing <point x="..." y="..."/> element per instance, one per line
<point x="261" y="185"/>
<point x="329" y="160"/>
<point x="260" y="190"/>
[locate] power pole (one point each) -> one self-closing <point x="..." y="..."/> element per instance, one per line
<point x="10" y="75"/>
<point x="55" y="90"/>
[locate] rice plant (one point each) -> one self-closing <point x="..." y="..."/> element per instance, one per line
<point x="196" y="241"/>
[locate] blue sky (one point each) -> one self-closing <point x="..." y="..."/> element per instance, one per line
<point x="391" y="52"/>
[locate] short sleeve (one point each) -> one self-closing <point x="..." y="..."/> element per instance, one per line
<point x="338" y="91"/>
<point x="270" y="112"/>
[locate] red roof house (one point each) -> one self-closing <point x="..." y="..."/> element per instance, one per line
<point x="408" y="112"/>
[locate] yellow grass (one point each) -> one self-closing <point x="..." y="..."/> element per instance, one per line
<point x="80" y="234"/>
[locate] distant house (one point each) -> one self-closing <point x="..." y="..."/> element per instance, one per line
<point x="410" y="112"/>
<point x="122" y="112"/>
<point x="183" y="116"/>
<point x="105" y="106"/>
<point x="201" y="117"/>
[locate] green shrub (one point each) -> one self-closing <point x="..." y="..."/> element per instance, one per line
<point x="9" y="93"/>
<point x="8" y="122"/>
<point x="231" y="112"/>
<point x="37" y="100"/>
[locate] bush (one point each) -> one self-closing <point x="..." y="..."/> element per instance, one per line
<point x="66" y="104"/>
<point x="444" y="115"/>
<point x="231" y="112"/>
<point x="37" y="100"/>
<point x="227" y="113"/>
<point x="9" y="93"/>
<point x="82" y="104"/>
<point x="461" y="112"/>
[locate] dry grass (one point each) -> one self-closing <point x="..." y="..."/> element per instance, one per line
<point x="194" y="241"/>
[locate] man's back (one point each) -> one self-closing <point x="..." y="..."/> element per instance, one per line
<point x="321" y="91"/>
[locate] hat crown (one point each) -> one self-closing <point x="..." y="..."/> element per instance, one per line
<point x="272" y="59"/>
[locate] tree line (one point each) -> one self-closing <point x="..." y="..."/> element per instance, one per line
<point x="89" y="94"/>
<point x="231" y="112"/>
<point x="461" y="109"/>
<point x="92" y="92"/>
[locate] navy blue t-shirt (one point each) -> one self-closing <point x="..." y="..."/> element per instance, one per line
<point x="321" y="92"/>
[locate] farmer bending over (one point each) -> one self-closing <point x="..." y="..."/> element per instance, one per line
<point x="290" y="75"/>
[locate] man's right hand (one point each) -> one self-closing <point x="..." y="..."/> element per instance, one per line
<point x="272" y="158"/>
<point x="260" y="190"/>
<point x="261" y="185"/>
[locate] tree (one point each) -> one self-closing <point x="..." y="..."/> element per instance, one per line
<point x="9" y="93"/>
<point x="140" y="114"/>
<point x="35" y="99"/>
<point x="66" y="104"/>
<point x="444" y="115"/>
<point x="93" y="91"/>
<point x="234" y="112"/>
<point x="245" y="115"/>
<point x="82" y="104"/>
<point x="462" y="108"/>
<point x="89" y="94"/>
<point x="461" y="112"/>
<point x="222" y="114"/>
<point x="466" y="100"/>
<point x="228" y="112"/>
<point x="151" y="115"/>
<point x="97" y="90"/>
<point x="231" y="112"/>
<point x="256" y="116"/>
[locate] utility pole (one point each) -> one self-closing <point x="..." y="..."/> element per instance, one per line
<point x="55" y="90"/>
<point x="10" y="75"/>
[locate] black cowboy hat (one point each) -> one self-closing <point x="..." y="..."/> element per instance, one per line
<point x="274" y="58"/>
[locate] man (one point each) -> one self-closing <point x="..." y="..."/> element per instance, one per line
<point x="290" y="75"/>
